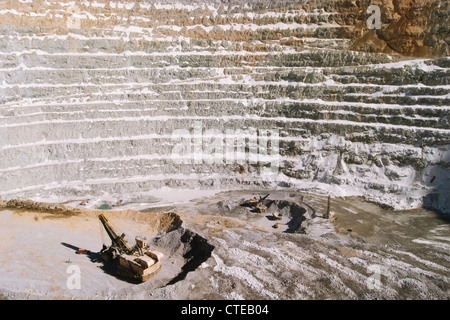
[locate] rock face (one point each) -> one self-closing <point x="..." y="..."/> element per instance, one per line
<point x="415" y="28"/>
<point x="116" y="97"/>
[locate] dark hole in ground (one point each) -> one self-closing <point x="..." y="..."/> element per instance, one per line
<point x="191" y="246"/>
<point x="293" y="211"/>
<point x="199" y="251"/>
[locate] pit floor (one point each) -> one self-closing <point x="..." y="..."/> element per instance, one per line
<point x="329" y="261"/>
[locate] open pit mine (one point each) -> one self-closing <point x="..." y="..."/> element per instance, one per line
<point x="280" y="150"/>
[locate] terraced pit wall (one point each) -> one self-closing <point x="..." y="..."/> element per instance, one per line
<point x="93" y="92"/>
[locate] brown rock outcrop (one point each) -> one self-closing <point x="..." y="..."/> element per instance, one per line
<point x="416" y="28"/>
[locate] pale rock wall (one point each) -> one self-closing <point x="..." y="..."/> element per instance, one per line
<point x="92" y="93"/>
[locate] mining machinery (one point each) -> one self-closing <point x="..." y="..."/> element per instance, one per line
<point x="137" y="263"/>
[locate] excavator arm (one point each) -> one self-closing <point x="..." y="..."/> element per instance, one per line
<point x="118" y="241"/>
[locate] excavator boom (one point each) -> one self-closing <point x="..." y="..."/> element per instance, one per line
<point x="117" y="240"/>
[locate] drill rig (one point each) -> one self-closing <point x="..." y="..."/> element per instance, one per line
<point x="135" y="263"/>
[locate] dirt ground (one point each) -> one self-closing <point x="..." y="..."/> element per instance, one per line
<point x="215" y="247"/>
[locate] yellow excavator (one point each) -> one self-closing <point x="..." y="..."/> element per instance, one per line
<point x="256" y="204"/>
<point x="136" y="263"/>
